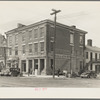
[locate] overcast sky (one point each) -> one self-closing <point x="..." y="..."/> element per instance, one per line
<point x="85" y="15"/>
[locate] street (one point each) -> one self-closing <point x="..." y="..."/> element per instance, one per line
<point x="6" y="81"/>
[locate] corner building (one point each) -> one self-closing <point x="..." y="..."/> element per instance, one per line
<point x="31" y="48"/>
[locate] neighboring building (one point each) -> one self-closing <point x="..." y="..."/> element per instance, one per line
<point x="2" y="51"/>
<point x="92" y="57"/>
<point x="31" y="47"/>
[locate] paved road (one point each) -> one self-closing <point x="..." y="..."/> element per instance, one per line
<point x="48" y="82"/>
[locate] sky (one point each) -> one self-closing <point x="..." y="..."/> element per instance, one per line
<point x="85" y="15"/>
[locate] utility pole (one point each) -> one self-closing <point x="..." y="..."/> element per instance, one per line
<point x="54" y="43"/>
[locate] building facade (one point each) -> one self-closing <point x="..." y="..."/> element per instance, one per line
<point x="2" y="51"/>
<point x="31" y="48"/>
<point x="92" y="57"/>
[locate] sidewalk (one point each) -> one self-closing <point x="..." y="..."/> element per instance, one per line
<point x="43" y="76"/>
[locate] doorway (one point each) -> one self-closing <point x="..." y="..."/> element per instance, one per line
<point x="30" y="67"/>
<point x="36" y="66"/>
<point x="23" y="66"/>
<point x="41" y="65"/>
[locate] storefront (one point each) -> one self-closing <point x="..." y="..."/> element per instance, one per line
<point x="13" y="62"/>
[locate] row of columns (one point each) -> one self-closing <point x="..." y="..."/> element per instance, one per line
<point x="38" y="70"/>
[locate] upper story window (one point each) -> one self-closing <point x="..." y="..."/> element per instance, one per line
<point x="72" y="49"/>
<point x="95" y="56"/>
<point x="23" y="49"/>
<point x="30" y="34"/>
<point x="16" y="50"/>
<point x="86" y="55"/>
<point x="81" y="39"/>
<point x="10" y="51"/>
<point x="23" y="36"/>
<point x="10" y="40"/>
<point x="42" y="46"/>
<point x="41" y="31"/>
<point x="71" y="38"/>
<point x="81" y="51"/>
<point x="30" y="48"/>
<point x="16" y="38"/>
<point x="35" y="47"/>
<point x="51" y="45"/>
<point x="35" y="33"/>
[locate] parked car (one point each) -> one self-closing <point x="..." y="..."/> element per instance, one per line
<point x="10" y="72"/>
<point x="5" y="72"/>
<point x="15" y="71"/>
<point x="89" y="74"/>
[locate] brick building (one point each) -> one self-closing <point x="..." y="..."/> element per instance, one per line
<point x="31" y="47"/>
<point x="92" y="57"/>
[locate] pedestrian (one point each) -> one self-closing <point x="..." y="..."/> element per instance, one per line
<point x="58" y="72"/>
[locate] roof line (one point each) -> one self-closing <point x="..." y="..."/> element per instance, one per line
<point x="44" y="21"/>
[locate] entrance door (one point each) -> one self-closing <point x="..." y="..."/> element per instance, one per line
<point x="30" y="67"/>
<point x="23" y="67"/>
<point x="36" y="66"/>
<point x="41" y="65"/>
<point x="52" y="64"/>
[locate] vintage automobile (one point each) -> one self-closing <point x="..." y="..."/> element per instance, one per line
<point x="88" y="74"/>
<point x="15" y="71"/>
<point x="10" y="72"/>
<point x="5" y="72"/>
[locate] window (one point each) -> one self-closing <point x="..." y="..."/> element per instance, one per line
<point x="86" y="55"/>
<point x="16" y="38"/>
<point x="91" y="67"/>
<point x="16" y="50"/>
<point x="81" y="65"/>
<point x="96" y="56"/>
<point x="35" y="47"/>
<point x="42" y="46"/>
<point x="10" y="40"/>
<point x="72" y="49"/>
<point x="30" y="48"/>
<point x="81" y="39"/>
<point x="10" y="51"/>
<point x="36" y="33"/>
<point x="72" y="38"/>
<point x="51" y="46"/>
<point x="23" y="36"/>
<point x="30" y="34"/>
<point x="41" y="31"/>
<point x="81" y="51"/>
<point x="23" y="49"/>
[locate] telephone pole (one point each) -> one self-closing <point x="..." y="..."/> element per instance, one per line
<point x="54" y="42"/>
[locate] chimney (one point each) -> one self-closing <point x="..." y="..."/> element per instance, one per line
<point x="73" y="26"/>
<point x="20" y="25"/>
<point x="89" y="42"/>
